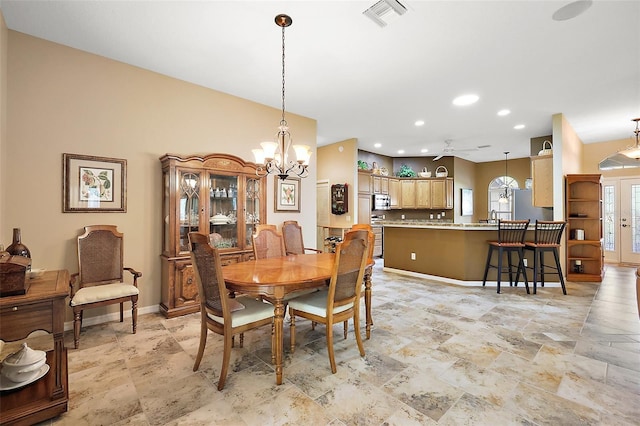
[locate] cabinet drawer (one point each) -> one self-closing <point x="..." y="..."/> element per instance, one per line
<point x="18" y="321"/>
<point x="231" y="258"/>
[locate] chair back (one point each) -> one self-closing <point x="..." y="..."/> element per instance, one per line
<point x="348" y="269"/>
<point x="372" y="238"/>
<point x="268" y="243"/>
<point x="548" y="232"/>
<point x="292" y="234"/>
<point x="208" y="271"/>
<point x="100" y="255"/>
<point x="512" y="231"/>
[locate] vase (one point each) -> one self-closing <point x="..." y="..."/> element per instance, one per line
<point x="17" y="248"/>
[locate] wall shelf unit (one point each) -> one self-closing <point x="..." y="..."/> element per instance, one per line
<point x="585" y="256"/>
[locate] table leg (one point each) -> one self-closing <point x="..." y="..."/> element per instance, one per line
<point x="367" y="302"/>
<point x="278" y="323"/>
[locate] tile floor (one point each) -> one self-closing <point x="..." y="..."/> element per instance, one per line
<point x="439" y="354"/>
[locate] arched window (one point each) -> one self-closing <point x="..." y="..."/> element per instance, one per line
<point x="496" y="197"/>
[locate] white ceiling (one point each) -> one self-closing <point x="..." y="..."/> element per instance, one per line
<point x="362" y="81"/>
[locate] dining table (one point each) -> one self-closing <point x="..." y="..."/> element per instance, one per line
<point x="276" y="278"/>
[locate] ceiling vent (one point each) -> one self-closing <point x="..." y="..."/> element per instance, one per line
<point x="384" y="11"/>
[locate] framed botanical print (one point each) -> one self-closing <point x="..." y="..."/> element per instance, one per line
<point x="287" y="194"/>
<point x="93" y="184"/>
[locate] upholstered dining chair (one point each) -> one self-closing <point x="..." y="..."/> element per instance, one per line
<point x="100" y="277"/>
<point x="218" y="311"/>
<point x="267" y="243"/>
<point x="341" y="300"/>
<point x="293" y="241"/>
<point x="368" y="273"/>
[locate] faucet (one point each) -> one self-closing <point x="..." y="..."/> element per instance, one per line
<point x="494" y="216"/>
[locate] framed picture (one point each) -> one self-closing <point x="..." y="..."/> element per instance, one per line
<point x="93" y="184"/>
<point x="466" y="201"/>
<point x="287" y="196"/>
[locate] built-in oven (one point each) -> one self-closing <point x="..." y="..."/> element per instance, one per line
<point x="381" y="202"/>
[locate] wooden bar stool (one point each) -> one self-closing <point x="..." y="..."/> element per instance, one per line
<point x="510" y="239"/>
<point x="547" y="238"/>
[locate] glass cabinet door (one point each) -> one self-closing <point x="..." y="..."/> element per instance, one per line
<point x="189" y="206"/>
<point x="223" y="210"/>
<point x="252" y="203"/>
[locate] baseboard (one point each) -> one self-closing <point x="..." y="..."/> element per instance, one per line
<point x="115" y="316"/>
<point x="456" y="281"/>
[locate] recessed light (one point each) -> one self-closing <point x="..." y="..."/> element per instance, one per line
<point x="423" y="150"/>
<point x="518" y="126"/>
<point x="419" y="123"/>
<point x="377" y="145"/>
<point x="504" y="112"/>
<point x="401" y="151"/>
<point x="466" y="100"/>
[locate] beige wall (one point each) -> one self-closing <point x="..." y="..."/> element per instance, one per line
<point x="465" y="178"/>
<point x="60" y="99"/>
<point x="337" y="163"/>
<point x="4" y="35"/>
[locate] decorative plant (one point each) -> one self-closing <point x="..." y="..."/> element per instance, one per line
<point x="405" y="171"/>
<point x="362" y="165"/>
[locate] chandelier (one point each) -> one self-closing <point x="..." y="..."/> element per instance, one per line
<point x="504" y="196"/>
<point x="275" y="157"/>
<point x="633" y="151"/>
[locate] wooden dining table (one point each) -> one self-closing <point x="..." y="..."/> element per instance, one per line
<point x="275" y="278"/>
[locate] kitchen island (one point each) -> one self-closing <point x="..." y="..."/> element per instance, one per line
<point x="451" y="252"/>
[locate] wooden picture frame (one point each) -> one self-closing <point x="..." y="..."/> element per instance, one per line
<point x="466" y="201"/>
<point x="287" y="194"/>
<point x="93" y="184"/>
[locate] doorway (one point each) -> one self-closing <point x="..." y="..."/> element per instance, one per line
<point x="621" y="225"/>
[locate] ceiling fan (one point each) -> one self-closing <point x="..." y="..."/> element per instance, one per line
<point x="449" y="150"/>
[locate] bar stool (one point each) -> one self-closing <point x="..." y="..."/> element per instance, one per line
<point x="547" y="238"/>
<point x="510" y="239"/>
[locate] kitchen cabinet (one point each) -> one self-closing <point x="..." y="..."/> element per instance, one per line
<point x="433" y="193"/>
<point x="423" y="194"/>
<point x="442" y="193"/>
<point x="394" y="193"/>
<point x="380" y="184"/>
<point x="219" y="195"/>
<point x="364" y="208"/>
<point x="542" y="176"/>
<point x="364" y="182"/>
<point x="585" y="256"/>
<point x="407" y="194"/>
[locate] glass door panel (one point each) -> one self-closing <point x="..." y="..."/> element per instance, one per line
<point x="223" y="210"/>
<point x="189" y="206"/>
<point x="630" y="221"/>
<point x="252" y="213"/>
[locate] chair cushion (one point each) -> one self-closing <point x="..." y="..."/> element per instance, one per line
<point x="315" y="303"/>
<point x="103" y="292"/>
<point x="254" y="310"/>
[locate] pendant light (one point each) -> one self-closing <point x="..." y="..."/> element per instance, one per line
<point x="275" y="156"/>
<point x="634" y="151"/>
<point x="504" y="196"/>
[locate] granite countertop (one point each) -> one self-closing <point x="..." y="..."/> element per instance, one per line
<point x="437" y="224"/>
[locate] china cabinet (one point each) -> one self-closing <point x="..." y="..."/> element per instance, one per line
<point x="585" y="256"/>
<point x="216" y="194"/>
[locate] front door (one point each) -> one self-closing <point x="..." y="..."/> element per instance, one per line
<point x="630" y="221"/>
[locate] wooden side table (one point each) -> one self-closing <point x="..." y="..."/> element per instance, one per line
<point x="42" y="308"/>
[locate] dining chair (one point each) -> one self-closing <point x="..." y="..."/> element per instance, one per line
<point x="341" y="300"/>
<point x="293" y="240"/>
<point x="511" y="235"/>
<point x="100" y="278"/>
<point x="546" y="238"/>
<point x="368" y="273"/>
<point x="218" y="311"/>
<point x="267" y="243"/>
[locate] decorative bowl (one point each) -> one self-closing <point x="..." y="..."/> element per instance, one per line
<point x="24" y="364"/>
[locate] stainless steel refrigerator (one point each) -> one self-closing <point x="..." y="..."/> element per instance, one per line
<point x="523" y="208"/>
